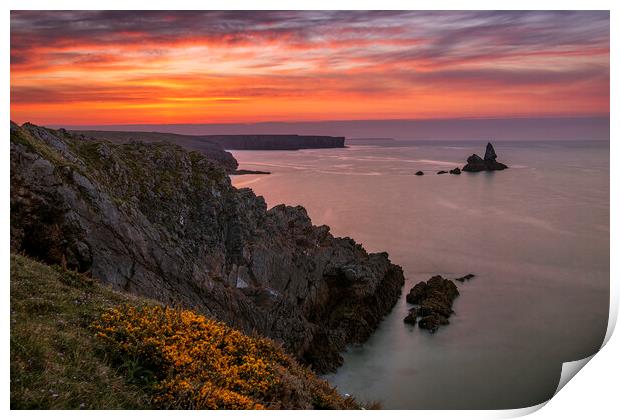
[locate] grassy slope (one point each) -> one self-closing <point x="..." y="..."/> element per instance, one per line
<point x="58" y="363"/>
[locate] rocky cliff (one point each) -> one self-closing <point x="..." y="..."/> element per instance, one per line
<point x="211" y="150"/>
<point x="162" y="222"/>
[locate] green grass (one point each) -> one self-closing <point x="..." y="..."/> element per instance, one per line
<point x="56" y="362"/>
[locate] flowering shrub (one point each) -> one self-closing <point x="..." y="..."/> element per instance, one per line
<point x="203" y="364"/>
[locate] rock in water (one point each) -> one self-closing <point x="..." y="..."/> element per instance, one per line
<point x="432" y="322"/>
<point x="156" y="220"/>
<point x="495" y="166"/>
<point x="248" y="172"/>
<point x="442" y="172"/>
<point x="476" y="164"/>
<point x="417" y="293"/>
<point x="411" y="318"/>
<point x="419" y="173"/>
<point x="465" y="277"/>
<point x="455" y="171"/>
<point x="489" y="154"/>
<point x="435" y="298"/>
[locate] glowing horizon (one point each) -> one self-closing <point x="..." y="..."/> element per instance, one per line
<point x="88" y="67"/>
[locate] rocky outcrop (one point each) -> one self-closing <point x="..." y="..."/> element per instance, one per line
<point x="477" y="164"/>
<point x="411" y="317"/>
<point x="433" y="300"/>
<point x="489" y="153"/>
<point x="161" y="222"/>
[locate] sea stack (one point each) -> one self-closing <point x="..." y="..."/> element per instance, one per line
<point x="477" y="164"/>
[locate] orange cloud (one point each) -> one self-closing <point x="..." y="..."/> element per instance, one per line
<point x="177" y="67"/>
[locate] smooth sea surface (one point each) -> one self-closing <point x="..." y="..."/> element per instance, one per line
<point x="535" y="235"/>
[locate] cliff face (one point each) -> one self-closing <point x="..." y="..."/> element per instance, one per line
<point x="211" y="143"/>
<point x="158" y="221"/>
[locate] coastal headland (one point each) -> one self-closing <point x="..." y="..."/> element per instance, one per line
<point x="156" y="220"/>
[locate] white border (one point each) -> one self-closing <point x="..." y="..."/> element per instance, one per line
<point x="593" y="394"/>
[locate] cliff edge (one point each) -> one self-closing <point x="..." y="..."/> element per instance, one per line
<point x="158" y="221"/>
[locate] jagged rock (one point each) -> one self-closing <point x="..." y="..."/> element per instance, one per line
<point x="432" y="322"/>
<point x="419" y="173"/>
<point x="435" y="298"/>
<point x="411" y="317"/>
<point x="417" y="293"/>
<point x="442" y="172"/>
<point x="476" y="164"/>
<point x="489" y="154"/>
<point x="455" y="171"/>
<point x="159" y="221"/>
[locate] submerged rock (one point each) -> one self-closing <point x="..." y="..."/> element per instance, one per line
<point x="419" y="173"/>
<point x="465" y="277"/>
<point x="442" y="172"/>
<point x="455" y="171"/>
<point x="477" y="164"/>
<point x="249" y="172"/>
<point x="155" y="220"/>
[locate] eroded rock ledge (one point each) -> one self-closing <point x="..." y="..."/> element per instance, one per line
<point x="158" y="221"/>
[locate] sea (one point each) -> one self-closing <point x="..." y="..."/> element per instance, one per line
<point x="536" y="236"/>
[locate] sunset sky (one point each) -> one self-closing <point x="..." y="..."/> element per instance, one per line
<point x="88" y="67"/>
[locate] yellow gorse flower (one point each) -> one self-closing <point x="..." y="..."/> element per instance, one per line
<point x="199" y="363"/>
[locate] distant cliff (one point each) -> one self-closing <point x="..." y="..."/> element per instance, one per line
<point x="229" y="142"/>
<point x="275" y="142"/>
<point x="165" y="223"/>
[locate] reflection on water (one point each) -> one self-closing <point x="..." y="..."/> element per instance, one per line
<point x="536" y="236"/>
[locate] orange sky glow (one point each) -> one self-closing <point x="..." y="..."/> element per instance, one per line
<point x="81" y="68"/>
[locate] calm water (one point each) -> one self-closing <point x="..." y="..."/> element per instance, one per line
<point x="536" y="236"/>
